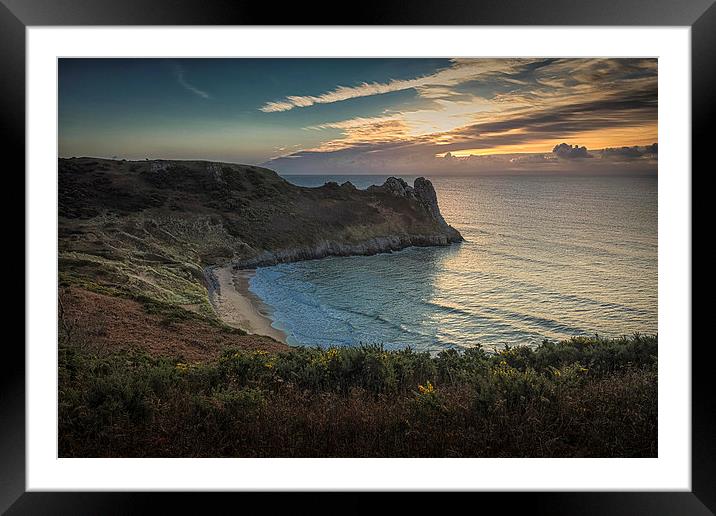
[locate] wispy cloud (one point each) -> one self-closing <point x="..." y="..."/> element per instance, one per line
<point x="180" y="74"/>
<point x="519" y="107"/>
<point x="459" y="71"/>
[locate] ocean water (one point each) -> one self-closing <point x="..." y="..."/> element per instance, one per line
<point x="543" y="257"/>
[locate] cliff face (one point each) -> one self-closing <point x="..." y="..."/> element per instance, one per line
<point x="153" y="226"/>
<point x="424" y="193"/>
<point x="425" y="226"/>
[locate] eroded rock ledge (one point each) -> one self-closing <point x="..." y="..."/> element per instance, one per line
<point x="327" y="248"/>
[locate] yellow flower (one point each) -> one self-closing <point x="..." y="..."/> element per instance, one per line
<point x="427" y="388"/>
<point x="182" y="367"/>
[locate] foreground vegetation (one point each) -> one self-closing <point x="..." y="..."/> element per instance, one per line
<point x="582" y="397"/>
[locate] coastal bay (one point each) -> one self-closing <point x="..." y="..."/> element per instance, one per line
<point x="398" y="257"/>
<point x="531" y="267"/>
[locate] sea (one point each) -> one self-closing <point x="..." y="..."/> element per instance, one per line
<point x="544" y="257"/>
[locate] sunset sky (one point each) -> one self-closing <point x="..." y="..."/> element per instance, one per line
<point x="373" y="116"/>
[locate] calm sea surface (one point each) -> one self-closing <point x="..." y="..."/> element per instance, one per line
<point x="544" y="257"/>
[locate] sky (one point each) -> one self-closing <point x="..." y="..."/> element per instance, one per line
<point x="367" y="116"/>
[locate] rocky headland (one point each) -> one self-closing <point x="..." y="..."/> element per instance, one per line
<point x="156" y="230"/>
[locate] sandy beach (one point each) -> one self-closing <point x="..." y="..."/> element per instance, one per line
<point x="237" y="306"/>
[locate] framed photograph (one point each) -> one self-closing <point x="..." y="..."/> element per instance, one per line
<point x="435" y="249"/>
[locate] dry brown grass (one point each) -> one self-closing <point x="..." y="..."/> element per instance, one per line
<point x="109" y="324"/>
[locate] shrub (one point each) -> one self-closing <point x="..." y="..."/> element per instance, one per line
<point x="582" y="397"/>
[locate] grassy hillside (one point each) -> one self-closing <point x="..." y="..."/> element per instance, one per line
<point x="147" y="229"/>
<point x="583" y="397"/>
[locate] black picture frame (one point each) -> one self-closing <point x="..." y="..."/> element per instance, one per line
<point x="17" y="15"/>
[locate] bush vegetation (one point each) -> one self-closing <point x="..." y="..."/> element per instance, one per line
<point x="581" y="397"/>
